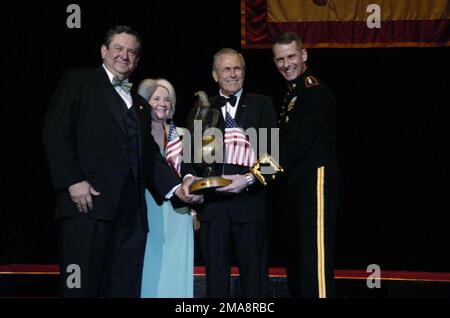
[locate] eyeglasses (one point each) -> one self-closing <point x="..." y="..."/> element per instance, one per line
<point x="229" y="70"/>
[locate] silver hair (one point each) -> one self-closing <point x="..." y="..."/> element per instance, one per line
<point x="148" y="87"/>
<point x="227" y="51"/>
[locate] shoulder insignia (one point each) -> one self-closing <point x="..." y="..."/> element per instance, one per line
<point x="311" y="81"/>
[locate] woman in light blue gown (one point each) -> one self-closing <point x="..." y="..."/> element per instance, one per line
<point x="169" y="255"/>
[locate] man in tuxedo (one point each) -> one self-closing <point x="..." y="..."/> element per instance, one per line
<point x="308" y="156"/>
<point x="236" y="215"/>
<point x="101" y="157"/>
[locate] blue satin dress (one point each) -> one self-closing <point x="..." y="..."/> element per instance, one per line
<point x="169" y="256"/>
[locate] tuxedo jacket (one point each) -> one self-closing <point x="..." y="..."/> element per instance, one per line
<point x="86" y="139"/>
<point x="257" y="111"/>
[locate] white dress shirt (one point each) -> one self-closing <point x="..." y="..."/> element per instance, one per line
<point x="126" y="96"/>
<point x="231" y="109"/>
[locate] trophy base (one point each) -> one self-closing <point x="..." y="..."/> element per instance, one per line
<point x="209" y="184"/>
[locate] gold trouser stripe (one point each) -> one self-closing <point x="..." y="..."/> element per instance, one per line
<point x="320" y="233"/>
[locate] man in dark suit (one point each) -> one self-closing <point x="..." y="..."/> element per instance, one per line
<point x="237" y="215"/>
<point x="308" y="156"/>
<point x="101" y="157"/>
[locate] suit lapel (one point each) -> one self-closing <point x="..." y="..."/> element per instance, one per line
<point x="111" y="97"/>
<point x="143" y="116"/>
<point x="215" y="104"/>
<point x="241" y="111"/>
<point x="138" y="106"/>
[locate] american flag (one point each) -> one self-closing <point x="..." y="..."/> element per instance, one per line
<point x="174" y="149"/>
<point x="238" y="149"/>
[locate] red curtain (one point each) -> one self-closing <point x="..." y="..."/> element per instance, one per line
<point x="335" y="24"/>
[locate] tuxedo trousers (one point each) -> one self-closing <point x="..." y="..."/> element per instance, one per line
<point x="101" y="258"/>
<point x="219" y="236"/>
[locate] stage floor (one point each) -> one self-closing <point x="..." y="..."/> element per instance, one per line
<point x="36" y="280"/>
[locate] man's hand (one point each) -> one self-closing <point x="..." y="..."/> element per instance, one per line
<point x="238" y="184"/>
<point x="81" y="194"/>
<point x="183" y="192"/>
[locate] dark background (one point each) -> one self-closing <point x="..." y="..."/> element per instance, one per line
<point x="393" y="127"/>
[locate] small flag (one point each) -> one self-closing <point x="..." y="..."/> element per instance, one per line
<point x="174" y="149"/>
<point x="238" y="149"/>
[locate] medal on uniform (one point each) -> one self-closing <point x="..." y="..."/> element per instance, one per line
<point x="291" y="103"/>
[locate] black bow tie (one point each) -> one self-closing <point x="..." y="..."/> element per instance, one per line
<point x="223" y="100"/>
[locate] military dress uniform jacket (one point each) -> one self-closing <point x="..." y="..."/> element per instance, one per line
<point x="307" y="127"/>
